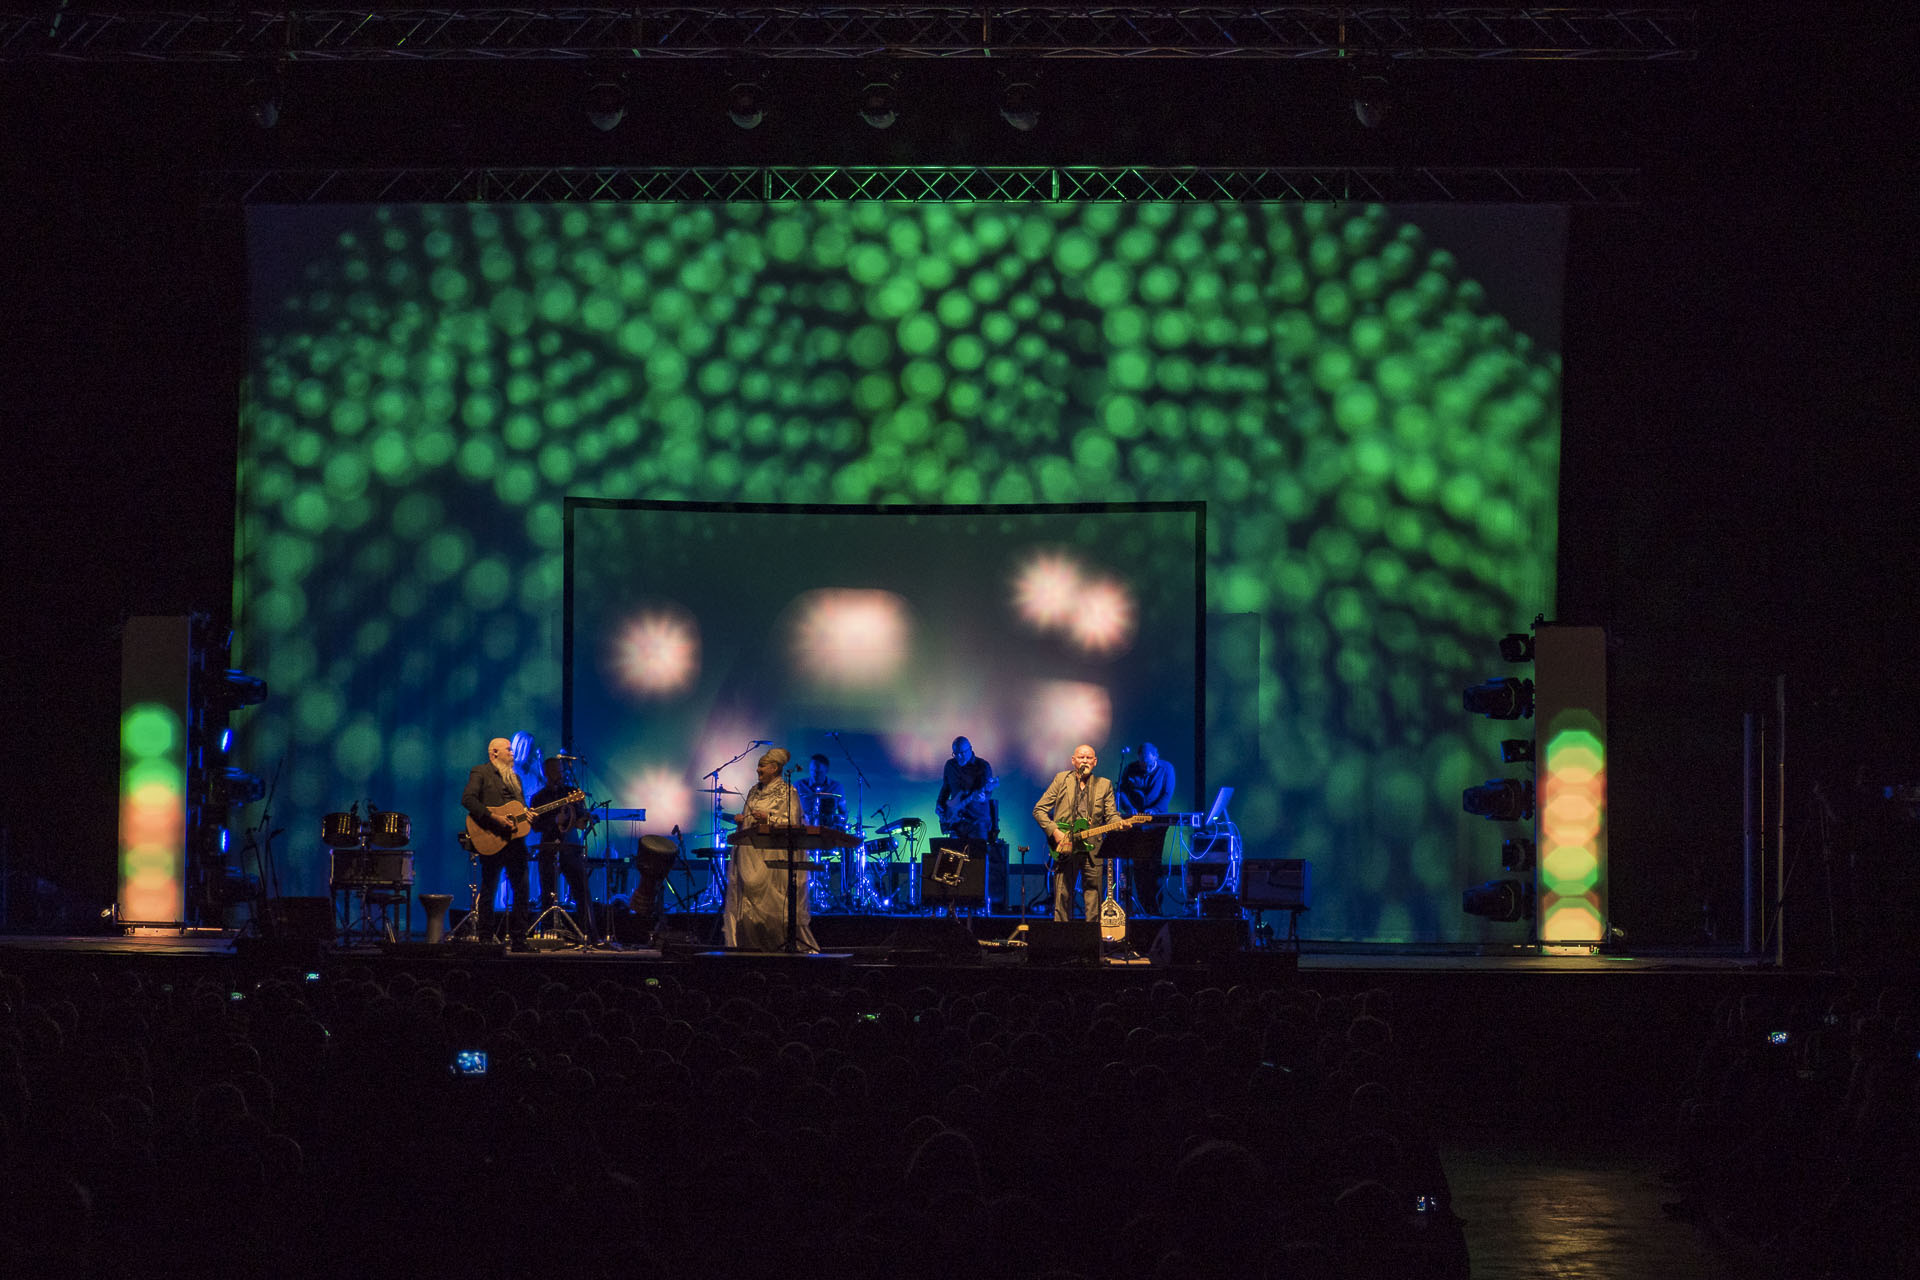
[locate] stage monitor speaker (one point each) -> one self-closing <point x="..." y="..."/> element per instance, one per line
<point x="1191" y="942"/>
<point x="297" y="919"/>
<point x="1275" y="884"/>
<point x="1063" y="942"/>
<point x="954" y="873"/>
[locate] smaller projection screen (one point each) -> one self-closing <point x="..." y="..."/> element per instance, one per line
<point x="874" y="636"/>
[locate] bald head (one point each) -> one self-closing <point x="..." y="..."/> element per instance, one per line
<point x="500" y="752"/>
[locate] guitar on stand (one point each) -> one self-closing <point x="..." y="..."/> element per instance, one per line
<point x="1113" y="916"/>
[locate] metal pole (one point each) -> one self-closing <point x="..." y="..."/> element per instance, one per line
<point x="1746" y="834"/>
<point x="1780" y="819"/>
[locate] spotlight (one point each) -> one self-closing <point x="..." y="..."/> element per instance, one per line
<point x="1506" y="900"/>
<point x="1517" y="647"/>
<point x="1372" y="100"/>
<point x="230" y="788"/>
<point x="237" y="689"/>
<point x="263" y="101"/>
<point x="1020" y="105"/>
<point x="1516" y="751"/>
<point x="1503" y="699"/>
<point x="606" y="103"/>
<point x="1501" y="799"/>
<point x="879" y="104"/>
<point x="746" y="104"/>
<point x="1516" y="854"/>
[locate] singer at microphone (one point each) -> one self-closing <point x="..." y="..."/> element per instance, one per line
<point x="1077" y="795"/>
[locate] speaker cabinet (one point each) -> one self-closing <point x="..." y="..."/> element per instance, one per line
<point x="1063" y="942"/>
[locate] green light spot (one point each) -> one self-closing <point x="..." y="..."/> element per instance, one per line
<point x="875" y="394"/>
<point x="443" y="555"/>
<point x="1171" y="329"/>
<point x="309" y="511"/>
<point x="487" y="584"/>
<point x="149" y="730"/>
<point x="346" y="476"/>
<point x="478" y="458"/>
<point x="1356" y="407"/>
<point x="316" y="710"/>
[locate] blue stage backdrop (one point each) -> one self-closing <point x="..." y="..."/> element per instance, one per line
<point x="1366" y="400"/>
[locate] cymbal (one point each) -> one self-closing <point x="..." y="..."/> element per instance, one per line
<point x="715" y="791"/>
<point x="901" y="824"/>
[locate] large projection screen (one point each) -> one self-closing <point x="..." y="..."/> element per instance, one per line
<point x="1366" y="399"/>
<point x="875" y="637"/>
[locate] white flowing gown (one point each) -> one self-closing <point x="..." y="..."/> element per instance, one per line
<point x="756" y="910"/>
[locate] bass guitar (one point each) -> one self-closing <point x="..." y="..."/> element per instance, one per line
<point x="517" y="817"/>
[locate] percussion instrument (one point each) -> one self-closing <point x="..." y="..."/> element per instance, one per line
<point x="340" y="830"/>
<point x="899" y="825"/>
<point x="354" y="868"/>
<point x="389" y="830"/>
<point x="883" y="847"/>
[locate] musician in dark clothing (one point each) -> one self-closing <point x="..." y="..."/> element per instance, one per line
<point x="489" y="786"/>
<point x="1146" y="786"/>
<point x="563" y="847"/>
<point x="965" y="803"/>
<point x="822" y="802"/>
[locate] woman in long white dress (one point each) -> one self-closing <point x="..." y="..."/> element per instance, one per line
<point x="756" y="911"/>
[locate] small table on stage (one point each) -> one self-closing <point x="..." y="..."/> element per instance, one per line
<point x="795" y="841"/>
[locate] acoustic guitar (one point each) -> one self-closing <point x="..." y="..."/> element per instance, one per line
<point x="518" y="817"/>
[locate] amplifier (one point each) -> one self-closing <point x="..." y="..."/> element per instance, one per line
<point x="354" y="867"/>
<point x="1275" y="884"/>
<point x="1205" y="876"/>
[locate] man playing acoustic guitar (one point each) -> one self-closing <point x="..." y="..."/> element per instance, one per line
<point x="490" y="785"/>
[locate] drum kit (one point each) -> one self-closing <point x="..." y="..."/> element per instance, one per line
<point x="370" y="860"/>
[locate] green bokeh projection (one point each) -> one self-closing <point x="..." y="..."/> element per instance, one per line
<point x="1378" y="449"/>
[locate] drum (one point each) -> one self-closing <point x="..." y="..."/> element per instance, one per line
<point x="340" y="830"/>
<point x="883" y="848"/>
<point x="656" y="855"/>
<point x="390" y="830"/>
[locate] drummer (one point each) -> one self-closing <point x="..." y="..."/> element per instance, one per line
<point x="822" y="801"/>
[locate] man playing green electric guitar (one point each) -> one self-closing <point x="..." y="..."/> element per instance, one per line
<point x="1077" y="801"/>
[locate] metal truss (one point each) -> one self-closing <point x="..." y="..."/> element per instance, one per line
<point x="918" y="183"/>
<point x="217" y="33"/>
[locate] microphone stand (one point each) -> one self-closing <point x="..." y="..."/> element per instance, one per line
<point x="715" y="894"/>
<point x="859" y="821"/>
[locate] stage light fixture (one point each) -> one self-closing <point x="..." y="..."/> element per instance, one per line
<point x="747" y="104"/>
<point x="1516" y="751"/>
<point x="1517" y="647"/>
<point x="1504" y="900"/>
<point x="879" y="104"/>
<point x="606" y="103"/>
<point x="233" y="689"/>
<point x="231" y="788"/>
<point x="263" y="101"/>
<point x="1503" y="698"/>
<point x="1372" y="100"/>
<point x="1020" y="105"/>
<point x="1516" y="854"/>
<point x="1500" y="799"/>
